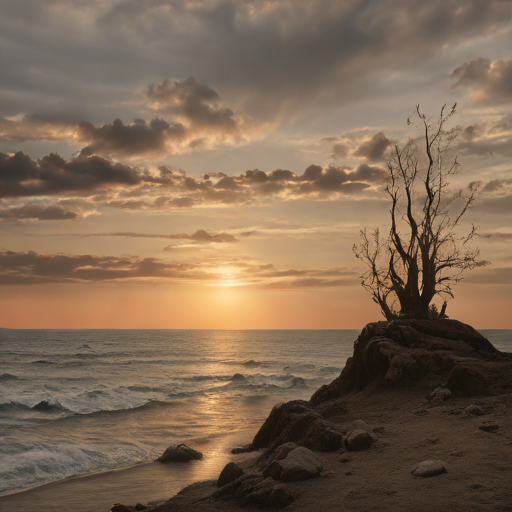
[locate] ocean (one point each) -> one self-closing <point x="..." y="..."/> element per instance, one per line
<point x="75" y="402"/>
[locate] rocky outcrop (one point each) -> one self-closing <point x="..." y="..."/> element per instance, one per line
<point x="179" y="453"/>
<point x="446" y="355"/>
<point x="446" y="351"/>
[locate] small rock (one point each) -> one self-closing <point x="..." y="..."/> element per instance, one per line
<point x="489" y="427"/>
<point x="474" y="410"/>
<point x="344" y="459"/>
<point x="241" y="449"/>
<point x="299" y="464"/>
<point x="282" y="451"/>
<point x="140" y="506"/>
<point x="440" y="394"/>
<point x="229" y="474"/>
<point x="429" y="468"/>
<point x="349" y="473"/>
<point x="358" y="440"/>
<point x="119" y="507"/>
<point x="179" y="453"/>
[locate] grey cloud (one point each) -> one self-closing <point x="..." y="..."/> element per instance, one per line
<point x="488" y="138"/>
<point x="488" y="82"/>
<point x="269" y="56"/>
<point x="201" y="236"/>
<point x="359" y="144"/>
<point x="340" y="150"/>
<point x="33" y="268"/>
<point x="494" y="185"/>
<point x="501" y="205"/>
<point x="496" y="236"/>
<point x="21" y="176"/>
<point x="193" y="102"/>
<point x="121" y="186"/>
<point x="374" y="149"/>
<point x="312" y="282"/>
<point x="132" y="140"/>
<point x="37" y="210"/>
<point x="198" y="121"/>
<point x="496" y="276"/>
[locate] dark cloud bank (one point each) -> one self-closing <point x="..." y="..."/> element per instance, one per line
<point x="284" y="52"/>
<point x="102" y="182"/>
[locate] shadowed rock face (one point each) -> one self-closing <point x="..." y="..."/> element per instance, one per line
<point x="410" y="350"/>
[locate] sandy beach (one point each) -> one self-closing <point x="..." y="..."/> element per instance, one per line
<point x="150" y="482"/>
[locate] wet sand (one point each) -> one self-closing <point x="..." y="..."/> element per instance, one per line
<point x="145" y="483"/>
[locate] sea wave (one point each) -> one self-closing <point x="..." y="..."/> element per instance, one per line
<point x="8" y="376"/>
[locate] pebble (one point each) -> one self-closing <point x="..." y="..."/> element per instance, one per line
<point x="489" y="427"/>
<point x="429" y="468"/>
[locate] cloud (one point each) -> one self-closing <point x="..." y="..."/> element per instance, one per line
<point x="33" y="268"/>
<point x="193" y="103"/>
<point x="201" y="236"/>
<point x="115" y="185"/>
<point x="499" y="276"/>
<point x="274" y="57"/>
<point x="359" y="144"/>
<point x="496" y="236"/>
<point x="198" y="121"/>
<point x="51" y="175"/>
<point x="24" y="128"/>
<point x="133" y="140"/>
<point x="488" y="138"/>
<point x="37" y="210"/>
<point x="487" y="82"/>
<point x="374" y="149"/>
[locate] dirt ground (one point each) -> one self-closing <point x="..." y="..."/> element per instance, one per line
<point x="410" y="430"/>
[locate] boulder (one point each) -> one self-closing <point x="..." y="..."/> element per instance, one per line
<point x="140" y="506"/>
<point x="358" y="440"/>
<point x="297" y="423"/>
<point x="299" y="464"/>
<point x="229" y="474"/>
<point x="179" y="453"/>
<point x="429" y="468"/>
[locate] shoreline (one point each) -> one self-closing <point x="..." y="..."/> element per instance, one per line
<point x="146" y="482"/>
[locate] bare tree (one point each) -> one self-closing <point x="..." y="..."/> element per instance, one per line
<point x="423" y="255"/>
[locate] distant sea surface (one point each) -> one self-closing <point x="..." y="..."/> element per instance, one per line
<point x="74" y="402"/>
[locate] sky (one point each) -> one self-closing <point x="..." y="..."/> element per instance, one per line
<point x="209" y="164"/>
